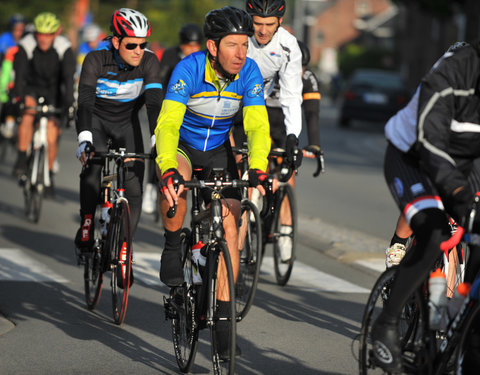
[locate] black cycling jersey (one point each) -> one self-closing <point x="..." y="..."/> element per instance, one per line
<point x="112" y="90"/>
<point x="48" y="74"/>
<point x="169" y="60"/>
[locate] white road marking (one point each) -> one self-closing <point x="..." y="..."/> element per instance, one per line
<point x="147" y="265"/>
<point x="304" y="276"/>
<point x="376" y="264"/>
<point x="16" y="265"/>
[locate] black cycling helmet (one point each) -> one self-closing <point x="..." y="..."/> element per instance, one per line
<point x="226" y="21"/>
<point x="266" y="8"/>
<point x="305" y="53"/>
<point x="189" y="33"/>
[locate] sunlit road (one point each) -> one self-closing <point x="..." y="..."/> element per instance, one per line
<point x="307" y="327"/>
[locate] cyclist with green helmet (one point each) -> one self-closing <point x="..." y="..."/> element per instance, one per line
<point x="44" y="67"/>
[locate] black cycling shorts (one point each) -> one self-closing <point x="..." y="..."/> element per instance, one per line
<point x="202" y="163"/>
<point x="411" y="188"/>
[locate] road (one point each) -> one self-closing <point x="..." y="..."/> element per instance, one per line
<point x="307" y="327"/>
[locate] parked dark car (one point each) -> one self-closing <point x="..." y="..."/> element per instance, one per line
<point x="373" y="95"/>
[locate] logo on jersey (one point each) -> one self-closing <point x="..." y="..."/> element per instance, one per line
<point x="178" y="88"/>
<point x="275" y="54"/>
<point x="397" y="183"/>
<point x="256" y="91"/>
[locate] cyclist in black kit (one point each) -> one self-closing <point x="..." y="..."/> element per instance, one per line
<point x="191" y="38"/>
<point x="114" y="83"/>
<point x="44" y="67"/>
<point x="430" y="170"/>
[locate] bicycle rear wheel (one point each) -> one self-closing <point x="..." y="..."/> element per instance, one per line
<point x="285" y="232"/>
<point x="33" y="186"/>
<point x="182" y="309"/>
<point x="412" y="327"/>
<point x="121" y="250"/>
<point x="222" y="326"/>
<point x="250" y="245"/>
<point x="93" y="274"/>
<point x="468" y="351"/>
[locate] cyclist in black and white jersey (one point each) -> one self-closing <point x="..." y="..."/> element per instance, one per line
<point x="44" y="67"/>
<point x="114" y="84"/>
<point x="429" y="168"/>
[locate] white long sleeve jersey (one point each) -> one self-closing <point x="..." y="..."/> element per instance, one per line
<point x="281" y="61"/>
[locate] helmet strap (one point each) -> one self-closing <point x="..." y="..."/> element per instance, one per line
<point x="229" y="77"/>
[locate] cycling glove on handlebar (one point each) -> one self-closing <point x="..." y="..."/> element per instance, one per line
<point x="256" y="177"/>
<point x="171" y="177"/>
<point x="294" y="155"/>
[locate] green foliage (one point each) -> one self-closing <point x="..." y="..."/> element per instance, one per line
<point x="354" y="56"/>
<point x="30" y="8"/>
<point x="166" y="16"/>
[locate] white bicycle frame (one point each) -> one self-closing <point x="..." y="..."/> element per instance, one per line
<point x="39" y="140"/>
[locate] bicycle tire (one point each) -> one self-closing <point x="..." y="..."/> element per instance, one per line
<point x="120" y="237"/>
<point x="250" y="245"/>
<point x="412" y="327"/>
<point x="93" y="274"/>
<point x="221" y="367"/>
<point x="33" y="192"/>
<point x="283" y="268"/>
<point x="183" y="318"/>
<point x="467" y="359"/>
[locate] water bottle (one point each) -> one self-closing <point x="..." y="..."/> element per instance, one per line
<point x="437" y="287"/>
<point x="198" y="261"/>
<point x="458" y="298"/>
<point x="105" y="218"/>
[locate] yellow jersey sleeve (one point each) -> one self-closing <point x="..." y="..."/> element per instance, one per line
<point x="257" y="129"/>
<point x="167" y="134"/>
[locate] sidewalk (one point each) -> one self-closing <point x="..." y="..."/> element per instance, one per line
<point x="5" y="324"/>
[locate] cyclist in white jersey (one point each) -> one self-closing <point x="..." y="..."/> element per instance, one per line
<point x="279" y="58"/>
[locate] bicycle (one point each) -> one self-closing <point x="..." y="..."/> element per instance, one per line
<point x="112" y="248"/>
<point x="278" y="210"/>
<point x="192" y="306"/>
<point x="37" y="177"/>
<point x="424" y="350"/>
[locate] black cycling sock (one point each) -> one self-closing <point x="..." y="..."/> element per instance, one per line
<point x="397" y="239"/>
<point x="172" y="240"/>
<point x="431" y="228"/>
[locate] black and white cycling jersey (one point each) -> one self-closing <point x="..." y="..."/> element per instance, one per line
<point x="281" y="59"/>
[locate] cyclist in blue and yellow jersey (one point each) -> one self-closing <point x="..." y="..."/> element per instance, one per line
<point x="205" y="92"/>
<point x="114" y="84"/>
<point x="44" y="67"/>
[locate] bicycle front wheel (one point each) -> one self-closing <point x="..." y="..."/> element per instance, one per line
<point x="121" y="264"/>
<point x="222" y="320"/>
<point x="33" y="187"/>
<point x="285" y="233"/>
<point x="93" y="275"/>
<point x="250" y="245"/>
<point x="182" y="310"/>
<point x="412" y="327"/>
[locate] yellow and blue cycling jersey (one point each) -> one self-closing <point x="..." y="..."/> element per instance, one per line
<point x="199" y="109"/>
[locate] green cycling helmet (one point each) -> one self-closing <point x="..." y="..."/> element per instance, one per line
<point x="46" y="23"/>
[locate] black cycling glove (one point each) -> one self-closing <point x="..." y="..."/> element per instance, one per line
<point x="294" y="154"/>
<point x="171" y="177"/>
<point x="256" y="177"/>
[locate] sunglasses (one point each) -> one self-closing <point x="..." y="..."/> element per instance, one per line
<point x="132" y="46"/>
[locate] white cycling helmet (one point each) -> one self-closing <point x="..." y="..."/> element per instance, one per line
<point x="91" y="33"/>
<point x="129" y="22"/>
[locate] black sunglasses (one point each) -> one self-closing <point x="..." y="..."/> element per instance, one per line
<point x="132" y="46"/>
